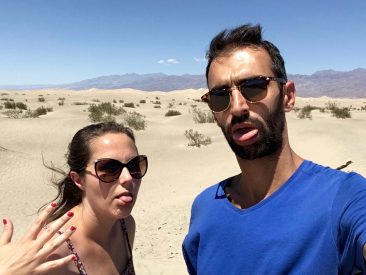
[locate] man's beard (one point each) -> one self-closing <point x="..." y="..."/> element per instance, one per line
<point x="270" y="134"/>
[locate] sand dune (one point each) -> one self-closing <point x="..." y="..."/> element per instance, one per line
<point x="177" y="173"/>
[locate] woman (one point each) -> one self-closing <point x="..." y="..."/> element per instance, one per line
<point x="100" y="189"/>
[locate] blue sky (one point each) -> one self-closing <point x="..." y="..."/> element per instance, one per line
<point x="63" y="41"/>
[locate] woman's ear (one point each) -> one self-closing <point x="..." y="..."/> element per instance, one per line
<point x="289" y="96"/>
<point x="75" y="177"/>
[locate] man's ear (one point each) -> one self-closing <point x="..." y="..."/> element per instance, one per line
<point x="289" y="96"/>
<point x="75" y="177"/>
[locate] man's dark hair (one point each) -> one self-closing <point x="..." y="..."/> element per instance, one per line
<point x="241" y="37"/>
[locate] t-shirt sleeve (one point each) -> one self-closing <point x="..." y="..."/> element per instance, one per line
<point x="350" y="212"/>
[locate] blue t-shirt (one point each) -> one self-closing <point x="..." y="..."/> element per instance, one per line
<point x="315" y="223"/>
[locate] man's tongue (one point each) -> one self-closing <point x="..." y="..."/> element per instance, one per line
<point x="244" y="134"/>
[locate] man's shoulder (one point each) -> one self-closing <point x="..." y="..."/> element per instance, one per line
<point x="213" y="191"/>
<point x="331" y="176"/>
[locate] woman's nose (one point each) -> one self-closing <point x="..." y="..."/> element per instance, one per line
<point x="125" y="177"/>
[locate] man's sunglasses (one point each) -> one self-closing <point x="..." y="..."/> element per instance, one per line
<point x="109" y="170"/>
<point x="253" y="90"/>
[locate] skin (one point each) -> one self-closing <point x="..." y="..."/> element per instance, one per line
<point x="28" y="255"/>
<point x="263" y="175"/>
<point x="100" y="242"/>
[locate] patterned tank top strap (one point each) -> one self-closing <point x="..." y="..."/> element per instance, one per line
<point x="124" y="229"/>
<point x="130" y="269"/>
<point x="77" y="261"/>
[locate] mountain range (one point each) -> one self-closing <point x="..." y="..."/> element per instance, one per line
<point x="322" y="83"/>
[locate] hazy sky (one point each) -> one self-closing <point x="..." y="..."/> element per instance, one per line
<point x="62" y="41"/>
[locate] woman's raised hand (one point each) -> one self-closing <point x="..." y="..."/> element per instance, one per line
<point x="28" y="255"/>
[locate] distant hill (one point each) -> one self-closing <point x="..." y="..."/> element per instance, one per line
<point x="323" y="83"/>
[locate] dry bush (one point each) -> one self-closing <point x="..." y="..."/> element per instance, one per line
<point x="135" y="120"/>
<point x="341" y="112"/>
<point x="196" y="139"/>
<point x="173" y="113"/>
<point x="200" y="116"/>
<point x="129" y="105"/>
<point x="104" y="112"/>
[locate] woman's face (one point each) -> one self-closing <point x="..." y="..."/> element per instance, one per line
<point x="116" y="198"/>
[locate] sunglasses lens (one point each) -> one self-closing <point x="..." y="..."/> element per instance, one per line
<point x="255" y="89"/>
<point x="219" y="100"/>
<point x="137" y="167"/>
<point x="108" y="170"/>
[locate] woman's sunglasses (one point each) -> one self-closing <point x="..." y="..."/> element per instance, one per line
<point x="109" y="170"/>
<point x="253" y="90"/>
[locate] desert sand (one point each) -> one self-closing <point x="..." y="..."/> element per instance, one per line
<point x="177" y="172"/>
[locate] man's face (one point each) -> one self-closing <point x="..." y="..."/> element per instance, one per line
<point x="253" y="130"/>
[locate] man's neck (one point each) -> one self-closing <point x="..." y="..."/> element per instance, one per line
<point x="261" y="177"/>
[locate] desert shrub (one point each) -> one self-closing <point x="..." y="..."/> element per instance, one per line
<point x="331" y="105"/>
<point x="10" y="99"/>
<point x="4" y="94"/>
<point x="13" y="113"/>
<point x="4" y="99"/>
<point x="157" y="102"/>
<point x="39" y="111"/>
<point x="200" y="116"/>
<point x="61" y="103"/>
<point x="142" y="101"/>
<point x="96" y="100"/>
<point x="196" y="139"/>
<point x="49" y="109"/>
<point x="121" y="101"/>
<point x="157" y="106"/>
<point x="305" y="112"/>
<point x="80" y="103"/>
<point x="41" y="99"/>
<point x="1" y="107"/>
<point x="170" y="105"/>
<point x="21" y="105"/>
<point x="61" y="98"/>
<point x="114" y="101"/>
<point x="9" y="105"/>
<point x="341" y="112"/>
<point x="104" y="112"/>
<point x="363" y="108"/>
<point x="157" y="98"/>
<point x="135" y="120"/>
<point x="129" y="105"/>
<point x="173" y="113"/>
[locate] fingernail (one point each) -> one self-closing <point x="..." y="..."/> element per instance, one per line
<point x="5" y="221"/>
<point x="54" y="204"/>
<point x="72" y="228"/>
<point x="70" y="214"/>
<point x="74" y="258"/>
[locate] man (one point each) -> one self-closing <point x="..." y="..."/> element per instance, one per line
<point x="282" y="214"/>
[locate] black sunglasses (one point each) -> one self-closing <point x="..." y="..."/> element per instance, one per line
<point x="253" y="90"/>
<point x="109" y="170"/>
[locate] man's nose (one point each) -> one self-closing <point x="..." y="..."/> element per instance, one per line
<point x="239" y="105"/>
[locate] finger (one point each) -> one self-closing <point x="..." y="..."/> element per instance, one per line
<point x="53" y="228"/>
<point x="40" y="221"/>
<point x="7" y="232"/>
<point x="52" y="245"/>
<point x="48" y="266"/>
